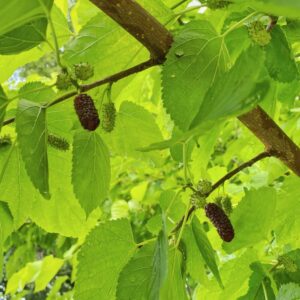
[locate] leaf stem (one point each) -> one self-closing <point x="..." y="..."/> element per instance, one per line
<point x="239" y="24"/>
<point x="143" y="243"/>
<point x="56" y="46"/>
<point x="223" y="179"/>
<point x="183" y="225"/>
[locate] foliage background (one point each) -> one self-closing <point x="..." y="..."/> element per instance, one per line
<point x="62" y="240"/>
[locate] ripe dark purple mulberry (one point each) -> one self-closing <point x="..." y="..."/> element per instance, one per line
<point x="220" y="221"/>
<point x="87" y="112"/>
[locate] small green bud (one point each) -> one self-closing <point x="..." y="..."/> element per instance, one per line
<point x="83" y="71"/>
<point x="108" y="116"/>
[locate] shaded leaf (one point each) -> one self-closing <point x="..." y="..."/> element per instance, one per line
<point x="107" y="250"/>
<point x="91" y="169"/>
<point x="32" y="136"/>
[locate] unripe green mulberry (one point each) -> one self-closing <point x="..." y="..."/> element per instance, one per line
<point x="217" y="4"/>
<point x="83" y="71"/>
<point x="198" y="200"/>
<point x="288" y="263"/>
<point x="204" y="186"/>
<point x="259" y="34"/>
<point x="225" y="203"/>
<point x="108" y="116"/>
<point x="58" y="142"/>
<point x="63" y="81"/>
<point x="220" y="220"/>
<point x="86" y="112"/>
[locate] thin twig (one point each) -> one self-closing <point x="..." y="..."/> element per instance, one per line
<point x="110" y="79"/>
<point x="223" y="179"/>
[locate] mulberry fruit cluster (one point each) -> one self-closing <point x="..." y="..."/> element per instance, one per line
<point x="58" y="142"/>
<point x="108" y="116"/>
<point x="63" y="81"/>
<point x="217" y="4"/>
<point x="220" y="220"/>
<point x="259" y="34"/>
<point x="204" y="187"/>
<point x="288" y="263"/>
<point x="225" y="203"/>
<point x="198" y="200"/>
<point x="86" y="112"/>
<point x="83" y="71"/>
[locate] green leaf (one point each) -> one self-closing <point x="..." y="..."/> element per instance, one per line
<point x="287" y="224"/>
<point x="145" y="273"/>
<point x="205" y="249"/>
<point x="103" y="35"/>
<point x="134" y="279"/>
<point x="107" y="250"/>
<point x="194" y="261"/>
<point x="14" y="177"/>
<point x="287" y="8"/>
<point x="23" y="38"/>
<point x="290" y="291"/>
<point x="32" y="136"/>
<point x="279" y="58"/>
<point x="174" y="288"/>
<point x="91" y="169"/>
<point x="6" y="228"/>
<point x="40" y="272"/>
<point x="3" y="105"/>
<point x="36" y="91"/>
<point x="135" y="128"/>
<point x="16" y="13"/>
<point x="235" y="91"/>
<point x="159" y="265"/>
<point x="193" y="64"/>
<point x="256" y="208"/>
<point x="259" y="283"/>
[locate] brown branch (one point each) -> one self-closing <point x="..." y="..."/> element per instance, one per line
<point x="139" y="23"/>
<point x="229" y="175"/>
<point x="110" y="79"/>
<point x="273" y="137"/>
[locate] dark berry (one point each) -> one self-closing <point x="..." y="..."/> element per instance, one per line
<point x="220" y="220"/>
<point x="86" y="112"/>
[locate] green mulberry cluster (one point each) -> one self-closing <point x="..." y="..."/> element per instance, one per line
<point x="58" y="143"/>
<point x="288" y="263"/>
<point x="86" y="112"/>
<point x="204" y="187"/>
<point x="220" y="220"/>
<point x="108" y="116"/>
<point x="259" y="34"/>
<point x="198" y="200"/>
<point x="217" y="4"/>
<point x="225" y="203"/>
<point x="83" y="71"/>
<point x="63" y="81"/>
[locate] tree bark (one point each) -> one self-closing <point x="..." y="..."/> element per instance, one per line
<point x="140" y="24"/>
<point x="157" y="39"/>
